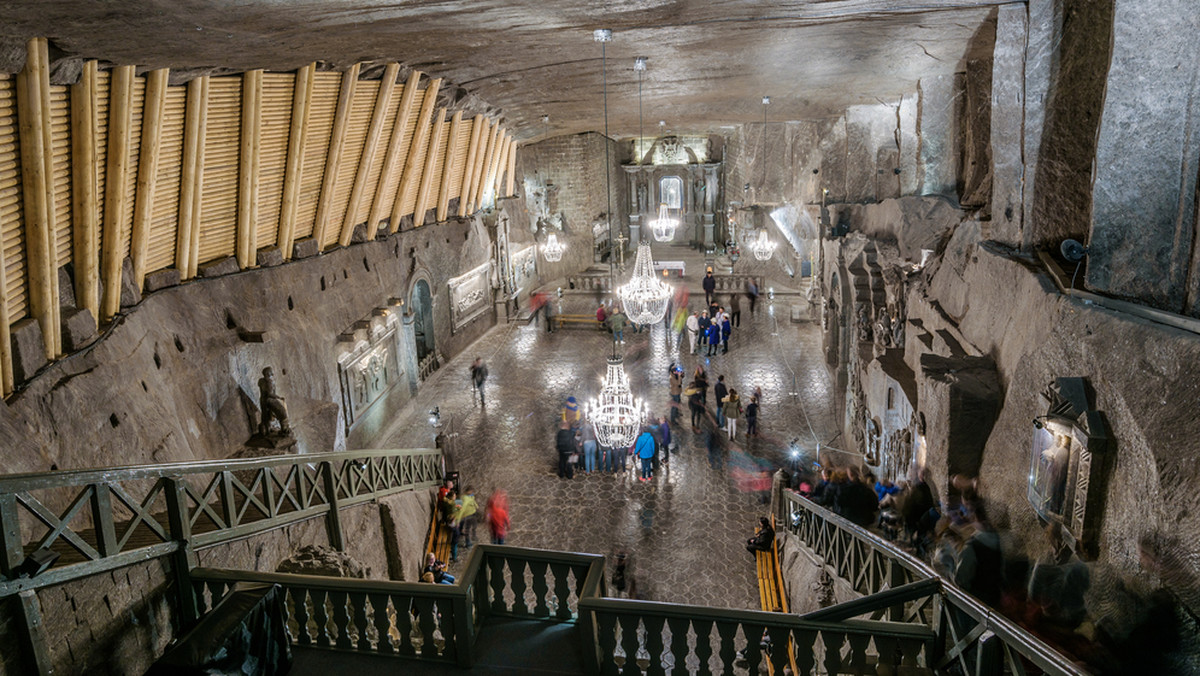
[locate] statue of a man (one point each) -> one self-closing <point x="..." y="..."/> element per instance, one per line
<point x="271" y="404"/>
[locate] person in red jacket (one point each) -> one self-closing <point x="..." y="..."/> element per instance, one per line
<point x="497" y="517"/>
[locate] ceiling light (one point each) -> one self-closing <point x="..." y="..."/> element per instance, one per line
<point x="616" y="416"/>
<point x="552" y="250"/>
<point x="664" y="226"/>
<point x="766" y="100"/>
<point x="645" y="296"/>
<point x="639" y="63"/>
<point x="602" y="35"/>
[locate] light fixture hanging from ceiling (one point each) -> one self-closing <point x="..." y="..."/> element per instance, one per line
<point x="763" y="247"/>
<point x="645" y="296"/>
<point x="639" y="64"/>
<point x="552" y="250"/>
<point x="604" y="36"/>
<point x="664" y="226"/>
<point x="616" y="416"/>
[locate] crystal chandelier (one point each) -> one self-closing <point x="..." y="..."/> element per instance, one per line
<point x="616" y="415"/>
<point x="664" y="226"/>
<point x="552" y="251"/>
<point x="763" y="248"/>
<point x="645" y="296"/>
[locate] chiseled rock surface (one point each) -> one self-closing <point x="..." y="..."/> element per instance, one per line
<point x="322" y="560"/>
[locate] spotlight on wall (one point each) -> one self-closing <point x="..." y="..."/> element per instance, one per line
<point x="639" y="63"/>
<point x="602" y="35"/>
<point x="435" y="417"/>
<point x="766" y="100"/>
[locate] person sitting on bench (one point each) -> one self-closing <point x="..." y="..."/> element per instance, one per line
<point x="764" y="539"/>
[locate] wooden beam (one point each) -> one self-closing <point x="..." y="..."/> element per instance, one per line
<point x="189" y="182"/>
<point x="147" y="177"/>
<point x="248" y="144"/>
<point x="6" y="363"/>
<point x="382" y="101"/>
<point x="484" y="159"/>
<point x="113" y="245"/>
<point x="51" y="189"/>
<point x="509" y="191"/>
<point x="33" y="638"/>
<point x="472" y="152"/>
<point x="489" y="180"/>
<point x="412" y="168"/>
<point x="33" y="83"/>
<point x="337" y="140"/>
<point x="297" y="137"/>
<point x="85" y="208"/>
<point x="391" y="157"/>
<point x="427" y="177"/>
<point x="443" y="203"/>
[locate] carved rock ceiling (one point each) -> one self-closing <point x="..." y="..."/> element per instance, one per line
<point x="710" y="62"/>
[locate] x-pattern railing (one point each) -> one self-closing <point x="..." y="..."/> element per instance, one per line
<point x="102" y="519"/>
<point x="973" y="637"/>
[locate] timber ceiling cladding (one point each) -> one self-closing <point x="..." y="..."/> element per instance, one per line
<point x="180" y="176"/>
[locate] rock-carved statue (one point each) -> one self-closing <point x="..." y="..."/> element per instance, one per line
<point x="897" y="331"/>
<point x="272" y="405"/>
<point x="643" y="204"/>
<point x="864" y="324"/>
<point x="699" y="190"/>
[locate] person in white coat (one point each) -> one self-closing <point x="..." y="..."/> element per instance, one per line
<point x="693" y="330"/>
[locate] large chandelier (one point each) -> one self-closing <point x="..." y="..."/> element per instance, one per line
<point x="616" y="415"/>
<point x="762" y="247"/>
<point x="664" y="226"/>
<point x="552" y="251"/>
<point x="645" y="296"/>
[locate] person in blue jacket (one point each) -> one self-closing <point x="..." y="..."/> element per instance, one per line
<point x="713" y="338"/>
<point x="644" y="447"/>
<point x="726" y="329"/>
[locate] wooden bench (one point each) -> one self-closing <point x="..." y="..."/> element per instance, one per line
<point x="585" y="320"/>
<point x="438" y="540"/>
<point x="771" y="591"/>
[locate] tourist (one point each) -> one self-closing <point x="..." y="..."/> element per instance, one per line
<point x="701" y="378"/>
<point x="616" y="322"/>
<point x="470" y="516"/>
<point x="693" y="330"/>
<point x="733" y="409"/>
<point x="464" y="508"/>
<point x="618" y="458"/>
<point x="752" y="418"/>
<point x="710" y="287"/>
<point x="601" y="315"/>
<point x="726" y="329"/>
<point x="479" y="374"/>
<point x="752" y="293"/>
<point x="695" y="405"/>
<point x="497" y="517"/>
<point x="764" y="539"/>
<point x="437" y="569"/>
<point x="980" y="563"/>
<point x="735" y="309"/>
<point x="664" y="432"/>
<point x="703" y="325"/>
<point x="856" y="500"/>
<point x="712" y="443"/>
<point x="713" y="337"/>
<point x="551" y="310"/>
<point x="570" y="411"/>
<point x="645" y="448"/>
<point x="676" y="380"/>
<point x="565" y="445"/>
<point x="620" y="571"/>
<point x="720" y="391"/>
<point x="588" y="435"/>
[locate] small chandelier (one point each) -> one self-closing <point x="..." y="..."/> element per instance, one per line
<point x="552" y="251"/>
<point x="616" y="415"/>
<point x="664" y="226"/>
<point x="645" y="296"/>
<point x="762" y="247"/>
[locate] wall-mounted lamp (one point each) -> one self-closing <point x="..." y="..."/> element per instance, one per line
<point x="435" y="417"/>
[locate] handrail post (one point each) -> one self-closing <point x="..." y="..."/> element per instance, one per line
<point x="102" y="519"/>
<point x="333" y="524"/>
<point x="12" y="550"/>
<point x="33" y="636"/>
<point x="464" y="635"/>
<point x="184" y="558"/>
<point x="895" y="579"/>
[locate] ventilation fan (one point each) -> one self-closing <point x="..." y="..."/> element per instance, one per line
<point x="1072" y="250"/>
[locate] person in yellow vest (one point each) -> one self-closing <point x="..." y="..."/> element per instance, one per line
<point x="463" y="522"/>
<point x="570" y="411"/>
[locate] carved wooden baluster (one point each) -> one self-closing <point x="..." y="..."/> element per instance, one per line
<point x="727" y="652"/>
<point x="754" y="655"/>
<point x="517" y="568"/>
<point x="654" y="644"/>
<point x="301" y="601"/>
<point x="606" y="629"/>
<point x="358" y="603"/>
<point x="704" y="647"/>
<point x="886" y="650"/>
<point x="629" y="643"/>
<point x="562" y="589"/>
<point x="496" y="564"/>
<point x="404" y="607"/>
<point x="679" y="645"/>
<point x="445" y="617"/>
<point x="779" y="648"/>
<point x="833" y="650"/>
<point x="198" y="591"/>
<point x="379" y="614"/>
<point x="541" y="589"/>
<point x="427" y="623"/>
<point x="321" y="616"/>
<point x="341" y="620"/>
<point x="910" y="652"/>
<point x="806" y="657"/>
<point x="858" y="652"/>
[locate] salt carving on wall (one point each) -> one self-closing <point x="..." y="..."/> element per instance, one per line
<point x="524" y="267"/>
<point x="369" y="370"/>
<point x="469" y="295"/>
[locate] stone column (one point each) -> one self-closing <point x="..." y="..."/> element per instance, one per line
<point x="1008" y="121"/>
<point x="408" y="350"/>
<point x="937" y="162"/>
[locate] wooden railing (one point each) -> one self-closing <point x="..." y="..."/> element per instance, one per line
<point x="971" y="635"/>
<point x="120" y="516"/>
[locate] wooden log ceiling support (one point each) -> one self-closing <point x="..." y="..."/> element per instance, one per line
<point x="337" y="140"/>
<point x="249" y="143"/>
<point x="469" y="166"/>
<point x="113" y="244"/>
<point x="147" y="177"/>
<point x="443" y="202"/>
<point x="512" y="170"/>
<point x="187" y="243"/>
<point x="85" y="208"/>
<point x="6" y="364"/>
<point x="427" y="177"/>
<point x="489" y="183"/>
<point x="485" y="158"/>
<point x="391" y="156"/>
<point x="412" y="168"/>
<point x="37" y="178"/>
<point x="382" y="102"/>
<point x="297" y="137"/>
<point x="502" y="165"/>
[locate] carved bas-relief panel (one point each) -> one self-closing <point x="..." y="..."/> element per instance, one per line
<point x="470" y="295"/>
<point x="369" y="370"/>
<point x="524" y="268"/>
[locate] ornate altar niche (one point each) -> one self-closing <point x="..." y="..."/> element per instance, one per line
<point x="470" y="295"/>
<point x="677" y="171"/>
<point x="1068" y="460"/>
<point x="370" y="368"/>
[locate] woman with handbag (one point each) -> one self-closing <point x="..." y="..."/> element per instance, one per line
<point x="733" y="409"/>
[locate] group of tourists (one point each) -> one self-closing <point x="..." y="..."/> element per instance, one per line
<point x="578" y="449"/>
<point x="729" y="405"/>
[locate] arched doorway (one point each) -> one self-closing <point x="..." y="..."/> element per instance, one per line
<point x="422" y="309"/>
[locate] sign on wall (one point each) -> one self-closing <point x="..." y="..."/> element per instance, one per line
<point x="524" y="267"/>
<point x="470" y="295"/>
<point x="369" y="370"/>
